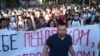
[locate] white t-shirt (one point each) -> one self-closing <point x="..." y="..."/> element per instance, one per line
<point x="20" y="25"/>
<point x="75" y="23"/>
<point x="87" y="16"/>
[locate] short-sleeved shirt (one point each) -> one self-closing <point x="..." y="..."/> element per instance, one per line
<point x="57" y="46"/>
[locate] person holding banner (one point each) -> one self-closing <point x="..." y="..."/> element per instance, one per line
<point x="3" y="23"/>
<point x="59" y="44"/>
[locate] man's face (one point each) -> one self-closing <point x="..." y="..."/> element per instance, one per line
<point x="61" y="30"/>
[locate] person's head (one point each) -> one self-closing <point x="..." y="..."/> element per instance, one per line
<point x="12" y="19"/>
<point x="41" y="19"/>
<point x="86" y="11"/>
<point x="3" y="23"/>
<point x="20" y="18"/>
<point x="51" y="23"/>
<point x="61" y="29"/>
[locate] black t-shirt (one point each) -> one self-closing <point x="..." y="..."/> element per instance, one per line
<point x="57" y="46"/>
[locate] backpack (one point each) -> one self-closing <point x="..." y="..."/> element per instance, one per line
<point x="73" y="20"/>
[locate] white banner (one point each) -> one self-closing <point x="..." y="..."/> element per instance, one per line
<point x="12" y="43"/>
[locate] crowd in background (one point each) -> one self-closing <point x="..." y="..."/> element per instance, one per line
<point x="33" y="18"/>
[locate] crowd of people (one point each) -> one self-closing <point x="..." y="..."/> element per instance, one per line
<point x="33" y="18"/>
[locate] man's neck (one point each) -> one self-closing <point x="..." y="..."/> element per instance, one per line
<point x="62" y="38"/>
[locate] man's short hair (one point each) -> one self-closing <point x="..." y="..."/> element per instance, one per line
<point x="61" y="23"/>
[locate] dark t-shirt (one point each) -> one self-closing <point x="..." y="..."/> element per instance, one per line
<point x="39" y="25"/>
<point x="57" y="46"/>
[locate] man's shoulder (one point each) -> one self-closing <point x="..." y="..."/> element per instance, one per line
<point x="53" y="35"/>
<point x="67" y="35"/>
<point x="51" y="38"/>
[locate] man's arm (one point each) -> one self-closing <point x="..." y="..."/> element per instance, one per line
<point x="99" y="44"/>
<point x="71" y="50"/>
<point x="99" y="47"/>
<point x="45" y="50"/>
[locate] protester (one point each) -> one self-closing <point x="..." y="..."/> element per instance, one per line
<point x="34" y="18"/>
<point x="13" y="23"/>
<point x="29" y="24"/>
<point x="41" y="23"/>
<point x="20" y="23"/>
<point x="51" y="23"/>
<point x="59" y="44"/>
<point x="3" y="23"/>
<point x="58" y="13"/>
<point x="76" y="21"/>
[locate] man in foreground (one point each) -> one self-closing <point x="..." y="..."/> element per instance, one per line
<point x="59" y="44"/>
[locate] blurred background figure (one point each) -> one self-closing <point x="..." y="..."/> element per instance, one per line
<point x="36" y="17"/>
<point x="3" y="23"/>
<point x="13" y="23"/>
<point x="51" y="23"/>
<point x="76" y="21"/>
<point x="41" y="23"/>
<point x="20" y="23"/>
<point x="28" y="24"/>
